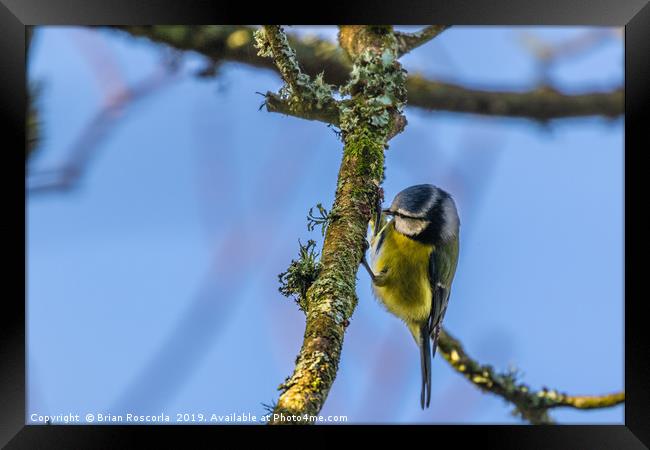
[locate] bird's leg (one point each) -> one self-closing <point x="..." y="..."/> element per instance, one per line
<point x="377" y="280"/>
<point x="365" y="264"/>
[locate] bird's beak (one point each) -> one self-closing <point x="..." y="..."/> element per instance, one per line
<point x="388" y="212"/>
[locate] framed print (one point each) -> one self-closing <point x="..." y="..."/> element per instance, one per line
<point x="324" y="221"/>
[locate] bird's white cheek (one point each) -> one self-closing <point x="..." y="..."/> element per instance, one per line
<point x="409" y="227"/>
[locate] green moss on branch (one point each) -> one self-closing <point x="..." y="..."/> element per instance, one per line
<point x="301" y="274"/>
<point x="377" y="94"/>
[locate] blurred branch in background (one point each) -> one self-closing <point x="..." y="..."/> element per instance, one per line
<point x="96" y="131"/>
<point x="548" y="55"/>
<point x="33" y="128"/>
<point x="196" y="329"/>
<point x="531" y="405"/>
<point x="34" y="132"/>
<point x="219" y="295"/>
<point x="235" y="43"/>
<point x="386" y="369"/>
<point x="543" y="103"/>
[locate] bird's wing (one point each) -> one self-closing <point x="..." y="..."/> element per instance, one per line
<point x="438" y="294"/>
<point x="442" y="267"/>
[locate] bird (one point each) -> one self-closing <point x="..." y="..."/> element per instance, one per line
<point x="414" y="248"/>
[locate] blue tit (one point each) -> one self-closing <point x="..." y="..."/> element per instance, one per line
<point x="412" y="265"/>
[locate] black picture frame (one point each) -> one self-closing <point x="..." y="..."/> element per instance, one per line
<point x="16" y="14"/>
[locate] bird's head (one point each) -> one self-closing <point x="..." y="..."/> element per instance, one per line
<point x="425" y="212"/>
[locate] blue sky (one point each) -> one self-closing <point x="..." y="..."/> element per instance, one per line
<point x="152" y="286"/>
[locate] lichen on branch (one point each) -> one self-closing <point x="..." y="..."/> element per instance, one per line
<point x="301" y="274"/>
<point x="302" y="95"/>
<point x="377" y="85"/>
<point x="368" y="118"/>
<point x="329" y="113"/>
<point x="322" y="218"/>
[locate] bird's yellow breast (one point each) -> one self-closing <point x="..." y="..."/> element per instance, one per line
<point x="406" y="291"/>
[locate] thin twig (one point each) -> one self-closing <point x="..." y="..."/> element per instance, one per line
<point x="301" y="96"/>
<point x="530" y="405"/>
<point x="328" y="114"/>
<point x="410" y="41"/>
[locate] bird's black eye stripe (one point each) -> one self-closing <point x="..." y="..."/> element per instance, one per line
<point x="404" y="216"/>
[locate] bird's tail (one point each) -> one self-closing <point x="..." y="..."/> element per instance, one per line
<point x="425" y="361"/>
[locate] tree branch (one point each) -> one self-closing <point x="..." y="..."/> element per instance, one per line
<point x="301" y="96"/>
<point x="367" y="121"/>
<point x="542" y="104"/>
<point x="409" y="41"/>
<point x="272" y="42"/>
<point x="328" y="114"/>
<point x="230" y="43"/>
<point x="530" y="405"/>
